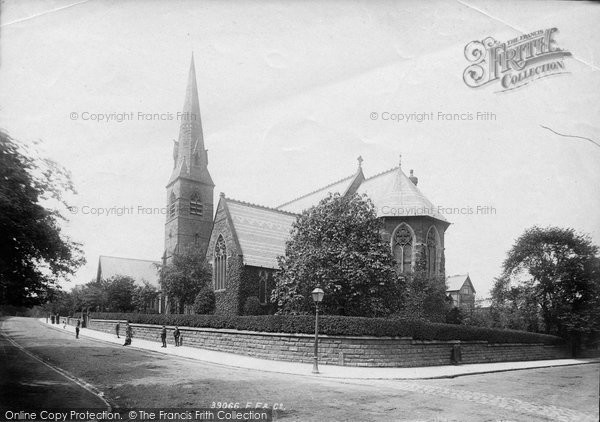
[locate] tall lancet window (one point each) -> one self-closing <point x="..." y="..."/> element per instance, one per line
<point x="220" y="267"/>
<point x="196" y="207"/>
<point x="263" y="279"/>
<point x="172" y="205"/>
<point x="432" y="251"/>
<point x="403" y="243"/>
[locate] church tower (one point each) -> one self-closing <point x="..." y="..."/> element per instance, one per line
<point x="190" y="187"/>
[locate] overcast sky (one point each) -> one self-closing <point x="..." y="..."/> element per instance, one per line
<point x="287" y="94"/>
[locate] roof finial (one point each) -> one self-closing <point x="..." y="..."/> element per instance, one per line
<point x="360" y="160"/>
<point x="400" y="160"/>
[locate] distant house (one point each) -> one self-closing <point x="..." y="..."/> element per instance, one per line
<point x="139" y="270"/>
<point x="461" y="290"/>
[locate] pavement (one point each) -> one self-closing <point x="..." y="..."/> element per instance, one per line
<point x="325" y="371"/>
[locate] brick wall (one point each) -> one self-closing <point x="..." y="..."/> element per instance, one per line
<point x="343" y="350"/>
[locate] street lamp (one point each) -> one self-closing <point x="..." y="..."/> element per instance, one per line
<point x="317" y="296"/>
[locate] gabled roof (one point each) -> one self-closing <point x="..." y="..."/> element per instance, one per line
<point x="261" y="231"/>
<point x="138" y="269"/>
<point x="455" y="282"/>
<point x="342" y="187"/>
<point x="394" y="195"/>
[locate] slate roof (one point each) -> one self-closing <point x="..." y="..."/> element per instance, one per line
<point x="261" y="232"/>
<point x="138" y="269"/>
<point x="306" y="201"/>
<point x="393" y="194"/>
<point x="455" y="282"/>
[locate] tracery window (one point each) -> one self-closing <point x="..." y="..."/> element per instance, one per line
<point x="402" y="247"/>
<point x="220" y="268"/>
<point x="196" y="207"/>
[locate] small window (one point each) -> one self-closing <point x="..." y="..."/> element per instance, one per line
<point x="196" y="207"/>
<point x="220" y="268"/>
<point x="263" y="279"/>
<point x="432" y="252"/>
<point x="172" y="205"/>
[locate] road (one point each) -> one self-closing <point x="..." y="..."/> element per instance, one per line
<point x="130" y="378"/>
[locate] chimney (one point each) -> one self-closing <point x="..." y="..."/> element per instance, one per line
<point x="413" y="179"/>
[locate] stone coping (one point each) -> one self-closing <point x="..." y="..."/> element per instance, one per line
<point x="321" y="336"/>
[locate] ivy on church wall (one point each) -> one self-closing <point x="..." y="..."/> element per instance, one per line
<point x="227" y="301"/>
<point x="249" y="287"/>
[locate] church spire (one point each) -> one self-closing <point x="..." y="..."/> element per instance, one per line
<point x="191" y="140"/>
<point x="189" y="148"/>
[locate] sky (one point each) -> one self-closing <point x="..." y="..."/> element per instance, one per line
<point x="291" y="93"/>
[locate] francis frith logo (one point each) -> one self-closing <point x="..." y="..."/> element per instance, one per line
<point x="516" y="62"/>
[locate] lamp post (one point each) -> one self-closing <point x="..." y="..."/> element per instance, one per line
<point x="317" y="296"/>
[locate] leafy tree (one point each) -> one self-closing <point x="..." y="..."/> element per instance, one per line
<point x="480" y="315"/>
<point x="252" y="306"/>
<point x="183" y="278"/>
<point x="555" y="272"/>
<point x="34" y="253"/>
<point x="338" y="245"/>
<point x="205" y="301"/>
<point x="119" y="292"/>
<point x="421" y="296"/>
<point x="95" y="296"/>
<point x="455" y="316"/>
<point x="143" y="296"/>
<point x="516" y="306"/>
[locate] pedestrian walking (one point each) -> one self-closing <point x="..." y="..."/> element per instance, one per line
<point x="77" y="328"/>
<point x="176" y="334"/>
<point x="117" y="327"/>
<point x="128" y="334"/>
<point x="163" y="336"/>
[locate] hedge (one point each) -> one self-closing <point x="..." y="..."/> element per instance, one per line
<point x="338" y="325"/>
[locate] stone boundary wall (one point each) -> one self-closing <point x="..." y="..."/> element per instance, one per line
<point x="342" y="350"/>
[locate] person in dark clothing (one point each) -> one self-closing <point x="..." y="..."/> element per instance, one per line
<point x="176" y="334"/>
<point x="77" y="328"/>
<point x="117" y="327"/>
<point x="128" y="335"/>
<point x="163" y="336"/>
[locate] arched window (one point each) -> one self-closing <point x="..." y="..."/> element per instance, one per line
<point x="432" y="251"/>
<point x="403" y="243"/>
<point x="263" y="279"/>
<point x="196" y="207"/>
<point x="220" y="268"/>
<point x="172" y="205"/>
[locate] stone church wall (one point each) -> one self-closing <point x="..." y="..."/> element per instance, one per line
<point x="345" y="350"/>
<point x="227" y="301"/>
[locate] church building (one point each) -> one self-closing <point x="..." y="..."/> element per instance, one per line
<point x="243" y="240"/>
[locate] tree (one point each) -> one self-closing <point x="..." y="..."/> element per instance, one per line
<point x="143" y="296"/>
<point x="205" y="301"/>
<point x="554" y="272"/>
<point x="119" y="292"/>
<point x="184" y="277"/>
<point x="338" y="245"/>
<point x="421" y="296"/>
<point x="34" y="253"/>
<point x="95" y="296"/>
